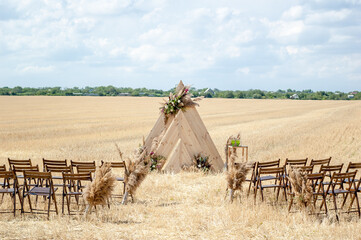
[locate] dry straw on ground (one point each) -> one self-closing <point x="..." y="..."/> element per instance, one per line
<point x="185" y="205"/>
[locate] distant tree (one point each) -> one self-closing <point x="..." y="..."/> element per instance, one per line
<point x="257" y="96"/>
<point x="229" y="94"/>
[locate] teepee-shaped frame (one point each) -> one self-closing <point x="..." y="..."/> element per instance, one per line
<point x="182" y="137"/>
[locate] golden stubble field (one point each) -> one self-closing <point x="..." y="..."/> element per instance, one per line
<point x="185" y="205"/>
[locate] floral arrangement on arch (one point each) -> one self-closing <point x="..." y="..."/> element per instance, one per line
<point x="156" y="162"/>
<point x="180" y="100"/>
<point x="202" y="163"/>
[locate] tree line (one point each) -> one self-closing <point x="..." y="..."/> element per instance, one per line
<point x="206" y="92"/>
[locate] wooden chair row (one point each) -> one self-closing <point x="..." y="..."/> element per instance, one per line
<point x="43" y="186"/>
<point x="38" y="184"/>
<point x="344" y="184"/>
<point x="270" y="175"/>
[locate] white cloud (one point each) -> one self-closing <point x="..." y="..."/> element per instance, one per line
<point x="327" y="17"/>
<point x="244" y="70"/>
<point x="37" y="69"/>
<point x="293" y="13"/>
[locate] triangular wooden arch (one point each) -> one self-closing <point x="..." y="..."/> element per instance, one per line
<point x="181" y="138"/>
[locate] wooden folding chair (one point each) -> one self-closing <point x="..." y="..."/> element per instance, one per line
<point x="320" y="162"/>
<point x="85" y="169"/>
<point x="296" y="162"/>
<point x="48" y="190"/>
<point x="329" y="170"/>
<point x="118" y="165"/>
<point x="56" y="173"/>
<point x="316" y="181"/>
<point x="354" y="196"/>
<point x="48" y="162"/>
<point x="75" y="189"/>
<point x="353" y="166"/>
<point x="14" y="162"/>
<point x="334" y="189"/>
<point x="19" y="169"/>
<point x="11" y="186"/>
<point x="74" y="164"/>
<point x="276" y="174"/>
<point x="269" y="164"/>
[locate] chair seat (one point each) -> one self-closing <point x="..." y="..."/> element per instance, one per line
<point x="272" y="186"/>
<point x="74" y="193"/>
<point x="3" y="184"/>
<point x="43" y="191"/>
<point x="7" y="190"/>
<point x="120" y="179"/>
<point x="337" y="191"/>
<point x="347" y="180"/>
<point x="57" y="177"/>
<point x="265" y="178"/>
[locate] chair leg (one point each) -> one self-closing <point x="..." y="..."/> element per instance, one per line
<point x="290" y="205"/>
<point x="358" y="205"/>
<point x="255" y="192"/>
<point x="14" y="199"/>
<point x="278" y="193"/>
<point x="68" y="203"/>
<point x="335" y="204"/>
<point x="31" y="208"/>
<point x="49" y="202"/>
<point x="344" y="200"/>
<point x="62" y="203"/>
<point x="56" y="205"/>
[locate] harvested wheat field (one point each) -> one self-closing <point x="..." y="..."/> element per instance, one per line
<point x="188" y="205"/>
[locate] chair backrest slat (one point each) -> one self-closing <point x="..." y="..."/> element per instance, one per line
<point x="296" y="162"/>
<point x="49" y="162"/>
<point x="41" y="175"/>
<point x="25" y="168"/>
<point x="331" y="169"/>
<point x="77" y="176"/>
<point x="7" y="174"/>
<point x="321" y="161"/>
<point x="276" y="170"/>
<point x="59" y="169"/>
<point x="352" y="165"/>
<point x="84" y="169"/>
<point x="3" y="168"/>
<point x="15" y="162"/>
<point x="275" y="163"/>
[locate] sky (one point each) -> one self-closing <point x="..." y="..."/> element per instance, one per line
<point x="229" y="45"/>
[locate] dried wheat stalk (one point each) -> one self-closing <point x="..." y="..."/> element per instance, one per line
<point x="136" y="172"/>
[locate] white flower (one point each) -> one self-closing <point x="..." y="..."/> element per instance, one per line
<point x="178" y="101"/>
<point x="166" y="107"/>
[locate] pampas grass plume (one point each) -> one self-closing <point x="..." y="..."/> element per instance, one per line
<point x="100" y="189"/>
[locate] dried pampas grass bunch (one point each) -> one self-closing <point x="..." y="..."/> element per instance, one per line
<point x="236" y="175"/>
<point x="100" y="189"/>
<point x="136" y="172"/>
<point x="301" y="188"/>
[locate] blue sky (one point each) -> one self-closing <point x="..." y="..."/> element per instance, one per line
<point x="263" y="44"/>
